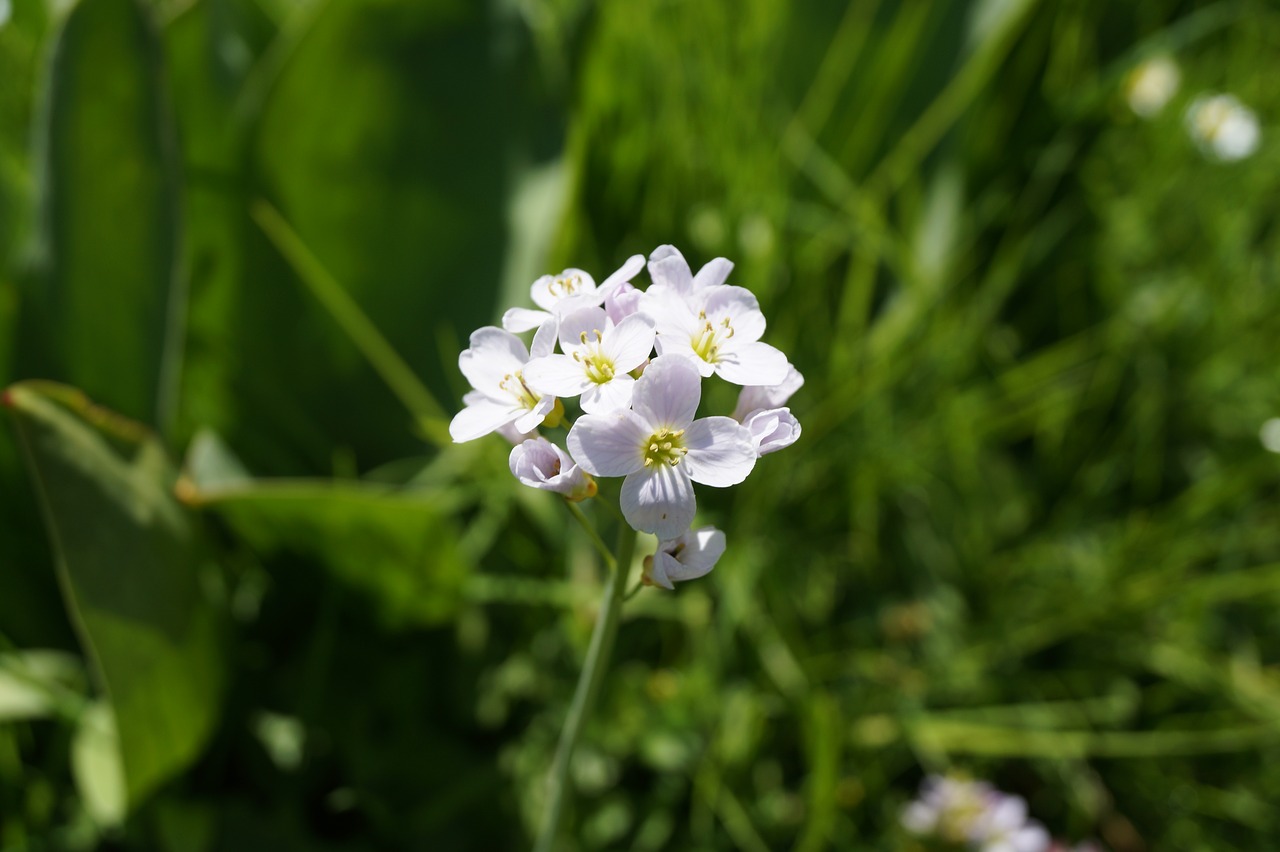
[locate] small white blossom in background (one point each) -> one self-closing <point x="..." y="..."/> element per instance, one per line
<point x="688" y="557"/>
<point x="5" y="10"/>
<point x="976" y="814"/>
<point x="1269" y="434"/>
<point x="635" y="359"/>
<point x="1223" y="127"/>
<point x="1151" y="86"/>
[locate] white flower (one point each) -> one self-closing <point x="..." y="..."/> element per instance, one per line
<point x="754" y="398"/>
<point x="948" y="807"/>
<point x="719" y="329"/>
<point x="598" y="357"/>
<point x="558" y="295"/>
<point x="772" y="429"/>
<point x="661" y="449"/>
<point x="539" y="463"/>
<point x="1003" y="827"/>
<point x="494" y="366"/>
<point x="5" y="10"/>
<point x="1151" y="85"/>
<point x="672" y="277"/>
<point x="1223" y="127"/>
<point x="687" y="557"/>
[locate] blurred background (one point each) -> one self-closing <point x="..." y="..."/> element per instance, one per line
<point x="1030" y="533"/>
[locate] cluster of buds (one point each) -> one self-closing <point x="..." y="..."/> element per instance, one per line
<point x="634" y="360"/>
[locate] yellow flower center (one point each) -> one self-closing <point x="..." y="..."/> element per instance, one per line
<point x="513" y="383"/>
<point x="707" y="340"/>
<point x="666" y="446"/>
<point x="566" y="285"/>
<point x="599" y="366"/>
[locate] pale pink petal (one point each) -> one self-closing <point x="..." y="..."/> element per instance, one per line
<point x="671" y="315"/>
<point x="523" y="319"/>
<point x="669" y="392"/>
<point x="739" y="306"/>
<point x="481" y="418"/>
<point x="681" y="347"/>
<point x="693" y="554"/>
<point x="656" y="570"/>
<point x="772" y="430"/>
<point x="540" y="464"/>
<point x="590" y="321"/>
<point x="721" y="452"/>
<point x="622" y="301"/>
<point x="609" y="444"/>
<point x="610" y="396"/>
<point x="493" y="355"/>
<point x="628" y="345"/>
<point x="659" y="499"/>
<point x="558" y="375"/>
<point x="751" y="363"/>
<point x="713" y="273"/>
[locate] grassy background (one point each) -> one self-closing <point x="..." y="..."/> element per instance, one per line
<point x="1030" y="532"/>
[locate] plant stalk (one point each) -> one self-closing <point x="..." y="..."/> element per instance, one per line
<point x="584" y="695"/>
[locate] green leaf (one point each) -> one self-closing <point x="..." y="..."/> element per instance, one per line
<point x="102" y="310"/>
<point x="400" y="547"/>
<point x="128" y="558"/>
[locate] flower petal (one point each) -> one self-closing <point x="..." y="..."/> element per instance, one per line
<point x="752" y="364"/>
<point x="590" y="321"/>
<point x="659" y="500"/>
<point x="740" y="307"/>
<point x="721" y="452"/>
<point x="772" y="429"/>
<point x="630" y="269"/>
<point x="610" y="396"/>
<point x="760" y="397"/>
<point x="699" y="551"/>
<point x="523" y="319"/>
<point x="713" y="273"/>
<point x="480" y="418"/>
<point x="493" y="354"/>
<point x="558" y="375"/>
<point x="549" y="289"/>
<point x="668" y="268"/>
<point x="532" y="419"/>
<point x="669" y="392"/>
<point x="609" y="444"/>
<point x="544" y="339"/>
<point x="630" y="343"/>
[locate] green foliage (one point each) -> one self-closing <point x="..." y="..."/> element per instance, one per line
<point x="1029" y="533"/>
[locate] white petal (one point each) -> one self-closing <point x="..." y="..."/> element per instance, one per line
<point x="628" y="345"/>
<point x="558" y="375"/>
<point x="523" y="319"/>
<point x="624" y="273"/>
<point x="760" y="397"/>
<point x="671" y="315"/>
<point x="713" y="273"/>
<point x="751" y="364"/>
<point x="544" y="339"/>
<point x="668" y="268"/>
<point x="493" y="354"/>
<point x="622" y="302"/>
<point x="772" y="429"/>
<point x="533" y="418"/>
<point x="740" y="307"/>
<point x="610" y="396"/>
<point x="721" y="452"/>
<point x="659" y="500"/>
<point x="701" y="551"/>
<point x="542" y="294"/>
<point x="480" y="419"/>
<point x="609" y="444"/>
<point x="658" y="572"/>
<point x="669" y="392"/>
<point x="590" y="321"/>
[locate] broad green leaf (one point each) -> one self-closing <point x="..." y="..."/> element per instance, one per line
<point x="102" y="308"/>
<point x="399" y="547"/>
<point x="128" y="556"/>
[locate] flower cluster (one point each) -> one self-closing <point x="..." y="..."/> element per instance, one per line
<point x="1219" y="124"/>
<point x="635" y="361"/>
<point x="977" y="815"/>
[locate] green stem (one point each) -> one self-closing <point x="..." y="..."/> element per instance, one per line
<point x="359" y="328"/>
<point x="584" y="696"/>
<point x="601" y="547"/>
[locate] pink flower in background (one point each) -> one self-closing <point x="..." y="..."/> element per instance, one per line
<point x="540" y="464"/>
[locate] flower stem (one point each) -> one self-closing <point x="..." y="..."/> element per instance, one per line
<point x="584" y="696"/>
<point x="601" y="547"/>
